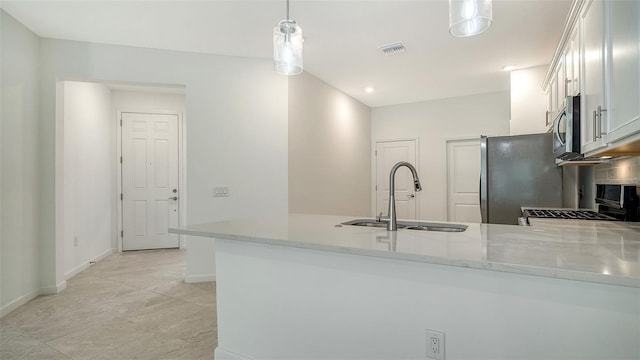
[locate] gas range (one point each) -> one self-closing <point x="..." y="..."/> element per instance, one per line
<point x="616" y="202"/>
<point x="570" y="214"/>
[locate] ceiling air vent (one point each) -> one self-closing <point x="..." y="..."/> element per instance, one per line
<point x="393" y="49"/>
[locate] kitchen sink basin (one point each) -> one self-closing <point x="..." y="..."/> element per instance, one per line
<point x="371" y="223"/>
<point x="439" y="227"/>
<point x="409" y="225"/>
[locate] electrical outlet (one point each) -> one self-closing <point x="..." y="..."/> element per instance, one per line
<point x="75" y="241"/>
<point x="221" y="191"/>
<point x="435" y="345"/>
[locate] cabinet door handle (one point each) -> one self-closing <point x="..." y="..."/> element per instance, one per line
<point x="600" y="110"/>
<point x="595" y="125"/>
<point x="546" y="117"/>
<point x="566" y="87"/>
<point x="599" y="122"/>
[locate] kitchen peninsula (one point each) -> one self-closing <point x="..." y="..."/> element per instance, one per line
<point x="306" y="287"/>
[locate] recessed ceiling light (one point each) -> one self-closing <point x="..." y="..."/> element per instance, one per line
<point x="509" y="67"/>
<point x="369" y="89"/>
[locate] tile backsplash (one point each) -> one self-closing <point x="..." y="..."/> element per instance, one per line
<point x="618" y="171"/>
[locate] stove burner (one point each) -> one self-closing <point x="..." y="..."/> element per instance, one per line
<point x="567" y="214"/>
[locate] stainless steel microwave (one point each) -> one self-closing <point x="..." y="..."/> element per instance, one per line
<point x="566" y="131"/>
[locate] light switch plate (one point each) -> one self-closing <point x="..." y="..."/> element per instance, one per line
<point x="221" y="191"/>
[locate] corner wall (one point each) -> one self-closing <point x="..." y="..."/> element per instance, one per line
<point x="19" y="171"/>
<point x="528" y="110"/>
<point x="433" y="123"/>
<point x="329" y="150"/>
<point x="88" y="175"/>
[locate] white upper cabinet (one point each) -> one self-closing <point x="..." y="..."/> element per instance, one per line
<point x="555" y="94"/>
<point x="599" y="58"/>
<point x="563" y="77"/>
<point x="548" y="94"/>
<point x="624" y="67"/>
<point x="592" y="108"/>
<point x="561" y="85"/>
<point x="572" y="63"/>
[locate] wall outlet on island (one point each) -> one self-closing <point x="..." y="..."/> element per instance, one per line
<point x="75" y="241"/>
<point x="435" y="345"/>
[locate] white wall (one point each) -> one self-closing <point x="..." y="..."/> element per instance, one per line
<point x="19" y="171"/>
<point x="528" y="101"/>
<point x="147" y="99"/>
<point x="277" y="302"/>
<point x="237" y="128"/>
<point x="88" y="174"/>
<point x="432" y="123"/>
<point x="329" y="150"/>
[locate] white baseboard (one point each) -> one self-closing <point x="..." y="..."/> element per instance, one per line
<point x="190" y="279"/>
<point x="104" y="254"/>
<point x="47" y="290"/>
<point x="19" y="302"/>
<point x="222" y="354"/>
<point x="50" y="290"/>
<point x="78" y="269"/>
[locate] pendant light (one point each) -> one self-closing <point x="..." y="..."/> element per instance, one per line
<point x="287" y="47"/>
<point x="469" y="17"/>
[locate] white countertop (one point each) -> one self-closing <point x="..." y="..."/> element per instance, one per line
<point x="592" y="251"/>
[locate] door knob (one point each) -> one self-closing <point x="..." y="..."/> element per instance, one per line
<point x="173" y="198"/>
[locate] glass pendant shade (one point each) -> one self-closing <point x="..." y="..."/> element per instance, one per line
<point x="469" y="17"/>
<point x="287" y="48"/>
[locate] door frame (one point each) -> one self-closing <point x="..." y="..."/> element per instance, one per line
<point x="182" y="176"/>
<point x="374" y="171"/>
<point x="447" y="141"/>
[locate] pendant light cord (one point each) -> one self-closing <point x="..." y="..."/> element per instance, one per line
<point x="287" y="9"/>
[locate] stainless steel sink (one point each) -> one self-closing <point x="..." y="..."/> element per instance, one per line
<point x="409" y="225"/>
<point x="439" y="227"/>
<point x="371" y="223"/>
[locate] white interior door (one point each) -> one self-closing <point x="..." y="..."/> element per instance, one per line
<point x="149" y="180"/>
<point x="388" y="153"/>
<point x="463" y="180"/>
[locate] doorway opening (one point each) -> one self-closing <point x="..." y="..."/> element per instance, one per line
<point x="89" y="212"/>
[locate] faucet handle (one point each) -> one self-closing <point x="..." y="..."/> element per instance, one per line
<point x="381" y="218"/>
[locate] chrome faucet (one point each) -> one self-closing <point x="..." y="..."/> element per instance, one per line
<point x="392" y="224"/>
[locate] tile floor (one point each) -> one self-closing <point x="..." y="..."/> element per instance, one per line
<point x="133" y="305"/>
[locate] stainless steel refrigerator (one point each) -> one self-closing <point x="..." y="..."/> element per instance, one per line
<point x="517" y="171"/>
